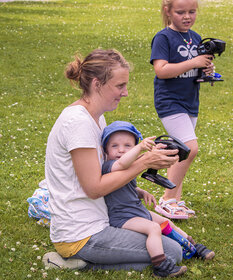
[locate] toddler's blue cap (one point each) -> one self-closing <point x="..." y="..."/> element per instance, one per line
<point x="119" y="126"/>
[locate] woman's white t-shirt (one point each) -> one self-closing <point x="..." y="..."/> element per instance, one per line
<point x="74" y="216"/>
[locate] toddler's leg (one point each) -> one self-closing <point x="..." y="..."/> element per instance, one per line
<point x="159" y="219"/>
<point x="201" y="250"/>
<point x="162" y="266"/>
<point x="152" y="230"/>
<point x="180" y="231"/>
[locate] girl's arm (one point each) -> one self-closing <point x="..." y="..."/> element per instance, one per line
<point x="128" y="158"/>
<point x="87" y="167"/>
<point x="165" y="70"/>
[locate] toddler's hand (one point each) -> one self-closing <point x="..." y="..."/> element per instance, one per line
<point x="147" y="197"/>
<point x="147" y="144"/>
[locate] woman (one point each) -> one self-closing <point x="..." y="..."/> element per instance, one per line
<point x="79" y="220"/>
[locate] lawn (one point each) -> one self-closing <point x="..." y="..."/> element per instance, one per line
<point x="37" y="40"/>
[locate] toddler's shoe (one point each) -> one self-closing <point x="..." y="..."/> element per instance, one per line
<point x="203" y="252"/>
<point x="54" y="260"/>
<point x="168" y="269"/>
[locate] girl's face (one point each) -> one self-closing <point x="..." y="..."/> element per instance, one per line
<point x="114" y="89"/>
<point x="182" y="14"/>
<point x="118" y="144"/>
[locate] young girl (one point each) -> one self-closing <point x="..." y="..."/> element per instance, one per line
<point x="125" y="209"/>
<point x="176" y="94"/>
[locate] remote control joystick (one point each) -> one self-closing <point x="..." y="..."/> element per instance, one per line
<point x="210" y="46"/>
<point x="172" y="144"/>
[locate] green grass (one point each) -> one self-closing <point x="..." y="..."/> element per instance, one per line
<point x="37" y="40"/>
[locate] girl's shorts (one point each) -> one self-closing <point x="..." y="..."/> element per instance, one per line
<point x="181" y="126"/>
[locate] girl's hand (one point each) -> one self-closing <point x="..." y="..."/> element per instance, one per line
<point x="147" y="144"/>
<point x="146" y="196"/>
<point x="209" y="69"/>
<point x="202" y="61"/>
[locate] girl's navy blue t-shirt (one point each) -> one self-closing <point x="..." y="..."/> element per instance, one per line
<point x="179" y="94"/>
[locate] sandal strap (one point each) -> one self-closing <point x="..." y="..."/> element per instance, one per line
<point x="166" y="204"/>
<point x="169" y="201"/>
<point x="181" y="203"/>
<point x="187" y="210"/>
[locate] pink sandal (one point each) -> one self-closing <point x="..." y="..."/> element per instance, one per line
<point x="164" y="208"/>
<point x="187" y="210"/>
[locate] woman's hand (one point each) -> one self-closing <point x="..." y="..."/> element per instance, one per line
<point x="159" y="158"/>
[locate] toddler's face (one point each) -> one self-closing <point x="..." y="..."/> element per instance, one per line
<point x="118" y="144"/>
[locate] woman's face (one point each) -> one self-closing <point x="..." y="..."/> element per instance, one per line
<point x="115" y="89"/>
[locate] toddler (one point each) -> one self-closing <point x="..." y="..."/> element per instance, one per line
<point x="125" y="209"/>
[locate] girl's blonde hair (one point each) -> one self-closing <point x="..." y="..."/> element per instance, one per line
<point x="168" y="5"/>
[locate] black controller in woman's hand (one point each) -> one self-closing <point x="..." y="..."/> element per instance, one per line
<point x="173" y="144"/>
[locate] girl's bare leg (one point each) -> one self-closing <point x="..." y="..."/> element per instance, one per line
<point x="176" y="173"/>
